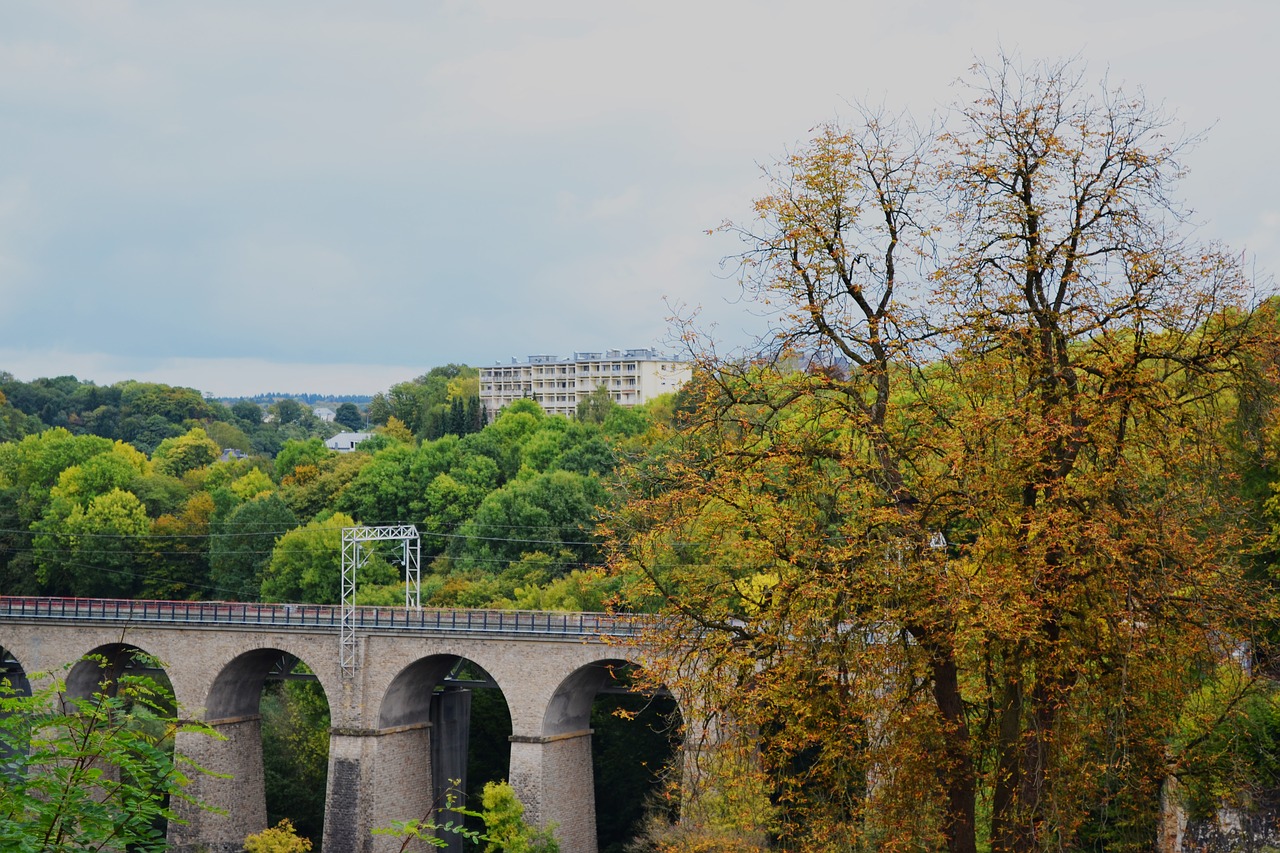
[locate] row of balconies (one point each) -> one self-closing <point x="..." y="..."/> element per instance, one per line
<point x="540" y="385"/>
<point x="590" y="369"/>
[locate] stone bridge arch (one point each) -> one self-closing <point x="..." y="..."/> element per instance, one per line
<point x="14" y="675"/>
<point x="392" y="756"/>
<point x="46" y="653"/>
<point x="12" y="670"/>
<point x="232" y="707"/>
<point x="557" y="762"/>
<point x="107" y="662"/>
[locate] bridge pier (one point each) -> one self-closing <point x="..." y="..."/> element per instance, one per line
<point x="376" y="777"/>
<point x="551" y="774"/>
<point x="549" y="666"/>
<point x="237" y="792"/>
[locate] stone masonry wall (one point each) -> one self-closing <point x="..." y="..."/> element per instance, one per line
<point x="553" y="778"/>
<point x="237" y="793"/>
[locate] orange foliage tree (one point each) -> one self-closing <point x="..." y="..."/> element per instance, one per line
<point x="949" y="556"/>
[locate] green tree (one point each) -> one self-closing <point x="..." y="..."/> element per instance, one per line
<point x="397" y="430"/>
<point x="288" y="411"/>
<point x="504" y="825"/>
<point x="379" y="409"/>
<point x="281" y="838"/>
<point x="348" y="415"/>
<point x="177" y="456"/>
<point x="117" y="468"/>
<point x="251" y="483"/>
<point x="29" y="469"/>
<point x="174" y="406"/>
<point x="240" y="547"/>
<point x="295" y="453"/>
<point x="160" y="493"/>
<point x="295" y="747"/>
<point x="596" y="407"/>
<point x="14" y="423"/>
<point x="1227" y="745"/>
<point x="595" y="455"/>
<point x="505" y="828"/>
<point x="409" y="403"/>
<point x="542" y="448"/>
<point x="384" y="491"/>
<point x="450" y="501"/>
<point x="229" y="436"/>
<point x="57" y="791"/>
<point x="551" y="513"/>
<point x="93" y="551"/>
<point x="87" y="537"/>
<point x="503" y="440"/>
<point x="313" y="489"/>
<point x="147" y="432"/>
<point x="248" y="413"/>
<point x="306" y="563"/>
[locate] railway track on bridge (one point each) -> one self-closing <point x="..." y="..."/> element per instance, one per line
<point x="312" y="617"/>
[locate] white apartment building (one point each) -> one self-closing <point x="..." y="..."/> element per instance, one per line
<point x="558" y="384"/>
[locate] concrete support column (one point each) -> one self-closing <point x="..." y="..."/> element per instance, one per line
<point x="241" y="796"/>
<point x="376" y="777"/>
<point x="552" y="777"/>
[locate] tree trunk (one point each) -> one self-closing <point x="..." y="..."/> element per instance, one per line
<point x="957" y="768"/>
<point x="1008" y="768"/>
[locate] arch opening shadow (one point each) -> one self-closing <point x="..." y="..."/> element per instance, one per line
<point x="100" y="672"/>
<point x="106" y="664"/>
<point x="273" y="691"/>
<point x="13" y="682"/>
<point x="635" y="745"/>
<point x="14" y="673"/>
<point x="469" y="724"/>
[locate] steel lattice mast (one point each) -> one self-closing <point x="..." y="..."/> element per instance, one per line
<point x="354" y="555"/>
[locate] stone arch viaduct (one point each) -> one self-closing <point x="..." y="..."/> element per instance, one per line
<point x="549" y="667"/>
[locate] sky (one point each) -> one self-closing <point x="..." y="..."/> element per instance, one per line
<point x="329" y="197"/>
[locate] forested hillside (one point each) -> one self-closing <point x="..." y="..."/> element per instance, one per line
<point x="125" y="491"/>
<point x="144" y="414"/>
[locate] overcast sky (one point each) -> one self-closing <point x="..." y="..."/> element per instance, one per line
<point x="246" y="197"/>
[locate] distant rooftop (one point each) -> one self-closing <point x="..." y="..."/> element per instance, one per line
<point x="642" y="354"/>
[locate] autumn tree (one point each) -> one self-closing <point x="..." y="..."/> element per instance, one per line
<point x="963" y="530"/>
<point x="178" y="557"/>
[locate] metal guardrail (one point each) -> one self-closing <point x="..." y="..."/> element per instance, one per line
<point x="525" y="623"/>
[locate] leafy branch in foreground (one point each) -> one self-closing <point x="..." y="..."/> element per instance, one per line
<point x="90" y="773"/>
<point x="505" y="828"/>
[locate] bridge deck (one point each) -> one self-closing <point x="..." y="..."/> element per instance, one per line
<point x="310" y="617"/>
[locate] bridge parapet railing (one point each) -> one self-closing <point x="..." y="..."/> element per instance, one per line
<point x="532" y="623"/>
